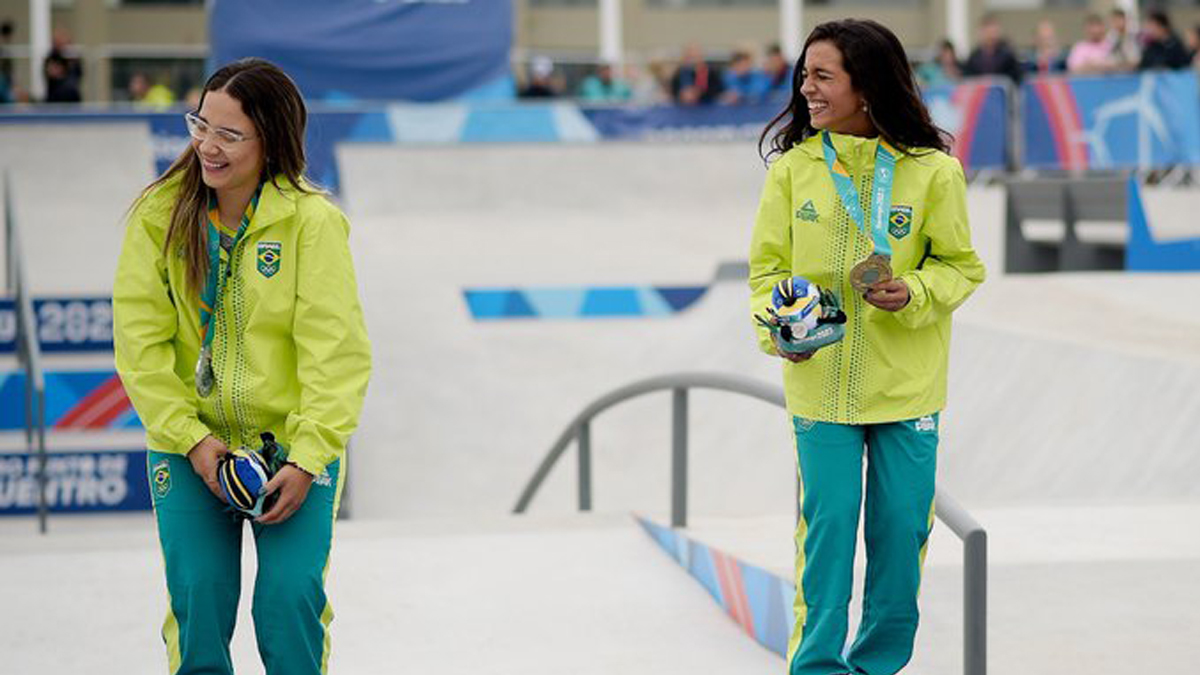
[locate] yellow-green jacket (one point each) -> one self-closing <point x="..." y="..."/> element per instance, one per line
<point x="891" y="365"/>
<point x="290" y="351"/>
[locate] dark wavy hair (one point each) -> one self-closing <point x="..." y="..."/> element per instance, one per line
<point x="879" y="70"/>
<point x="273" y="102"/>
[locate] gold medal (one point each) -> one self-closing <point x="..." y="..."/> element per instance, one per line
<point x="875" y="269"/>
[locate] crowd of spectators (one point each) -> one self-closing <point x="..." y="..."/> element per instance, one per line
<point x="1104" y="49"/>
<point x="694" y="79"/>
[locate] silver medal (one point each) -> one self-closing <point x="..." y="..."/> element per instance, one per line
<point x="205" y="379"/>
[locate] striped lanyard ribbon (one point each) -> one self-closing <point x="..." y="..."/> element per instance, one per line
<point x="881" y="198"/>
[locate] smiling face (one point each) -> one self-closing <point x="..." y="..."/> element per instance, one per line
<point x="833" y="102"/>
<point x="228" y="166"/>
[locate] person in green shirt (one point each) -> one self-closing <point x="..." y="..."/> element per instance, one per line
<point x="860" y="176"/>
<point x="236" y="314"/>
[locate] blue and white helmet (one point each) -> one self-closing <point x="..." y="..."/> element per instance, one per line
<point x="243" y="475"/>
<point x="797" y="302"/>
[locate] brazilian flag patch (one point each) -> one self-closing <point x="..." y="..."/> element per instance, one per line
<point x="269" y="253"/>
<point x="161" y="478"/>
<point x="900" y="221"/>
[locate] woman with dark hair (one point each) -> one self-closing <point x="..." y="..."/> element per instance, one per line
<point x="862" y="200"/>
<point x="236" y="315"/>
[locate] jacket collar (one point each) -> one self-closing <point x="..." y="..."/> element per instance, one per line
<point x="278" y="201"/>
<point x="852" y="150"/>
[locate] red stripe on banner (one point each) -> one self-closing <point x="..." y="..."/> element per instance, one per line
<point x="1065" y="122"/>
<point x="740" y="582"/>
<point x="1075" y="141"/>
<point x="733" y="590"/>
<point x="726" y="586"/>
<point x="969" y="99"/>
<point x="98" y="408"/>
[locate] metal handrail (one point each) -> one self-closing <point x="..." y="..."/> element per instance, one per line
<point x="29" y="351"/>
<point x="948" y="510"/>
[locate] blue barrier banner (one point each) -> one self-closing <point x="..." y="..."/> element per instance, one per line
<point x="411" y="50"/>
<point x="64" y="325"/>
<point x="975" y="112"/>
<point x="1111" y="122"/>
<point x="76" y="400"/>
<point x="673" y="123"/>
<point x="76" y="482"/>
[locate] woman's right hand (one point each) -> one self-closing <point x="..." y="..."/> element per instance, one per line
<point x="794" y="357"/>
<point x="204" y="457"/>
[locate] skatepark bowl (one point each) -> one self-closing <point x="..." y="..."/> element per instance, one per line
<point x="1070" y="433"/>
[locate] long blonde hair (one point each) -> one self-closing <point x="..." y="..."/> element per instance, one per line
<point x="273" y="102"/>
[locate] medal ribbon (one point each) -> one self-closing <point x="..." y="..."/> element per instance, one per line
<point x="881" y="197"/>
<point x="219" y="260"/>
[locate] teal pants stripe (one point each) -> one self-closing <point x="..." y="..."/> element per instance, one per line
<point x="202" y="546"/>
<point x="901" y="461"/>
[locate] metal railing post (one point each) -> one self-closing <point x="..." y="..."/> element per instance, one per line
<point x="585" y="466"/>
<point x="968" y="530"/>
<point x="679" y="456"/>
<point x="975" y="603"/>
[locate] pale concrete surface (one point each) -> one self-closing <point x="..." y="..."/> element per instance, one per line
<point x="585" y="596"/>
<point x="1098" y="590"/>
<point x="1069" y="390"/>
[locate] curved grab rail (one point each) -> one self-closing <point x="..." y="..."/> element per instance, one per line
<point x="948" y="510"/>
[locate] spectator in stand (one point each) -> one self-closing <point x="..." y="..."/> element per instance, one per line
<point x="649" y="86"/>
<point x="142" y="94"/>
<point x="742" y="82"/>
<point x="1122" y="44"/>
<point x="1092" y="54"/>
<point x="64" y="74"/>
<point x="778" y="74"/>
<point x="993" y="56"/>
<point x="1163" y="47"/>
<point x="1193" y="45"/>
<point x="603" y="86"/>
<point x="695" y="81"/>
<point x="943" y="70"/>
<point x="7" y="87"/>
<point x="1047" y="56"/>
<point x="541" y="80"/>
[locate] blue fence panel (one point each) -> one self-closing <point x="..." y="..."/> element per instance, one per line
<point x="976" y="113"/>
<point x="1149" y="120"/>
<point x="75" y="482"/>
<point x="64" y="325"/>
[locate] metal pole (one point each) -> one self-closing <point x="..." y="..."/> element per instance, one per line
<point x="39" y="46"/>
<point x="679" y="456"/>
<point x="791" y="25"/>
<point x="956" y="26"/>
<point x="585" y="466"/>
<point x="43" y="509"/>
<point x="612" y="46"/>
<point x="975" y="604"/>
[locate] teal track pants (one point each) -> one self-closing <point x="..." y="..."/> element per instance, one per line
<point x="202" y="550"/>
<point x="901" y="461"/>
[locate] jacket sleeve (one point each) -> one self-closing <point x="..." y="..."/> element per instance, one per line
<point x="770" y="246"/>
<point x="333" y="355"/>
<point x="951" y="269"/>
<point x="145" y="324"/>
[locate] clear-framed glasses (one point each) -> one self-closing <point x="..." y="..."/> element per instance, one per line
<point x="201" y="130"/>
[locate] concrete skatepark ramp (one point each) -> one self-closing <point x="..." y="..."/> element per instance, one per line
<point x="1070" y="431"/>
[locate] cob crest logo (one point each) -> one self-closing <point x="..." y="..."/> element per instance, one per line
<point x="161" y="475"/>
<point x="900" y="221"/>
<point x="268" y="258"/>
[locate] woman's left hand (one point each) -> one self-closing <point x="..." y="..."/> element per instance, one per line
<point x="891" y="295"/>
<point x="292" y="484"/>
